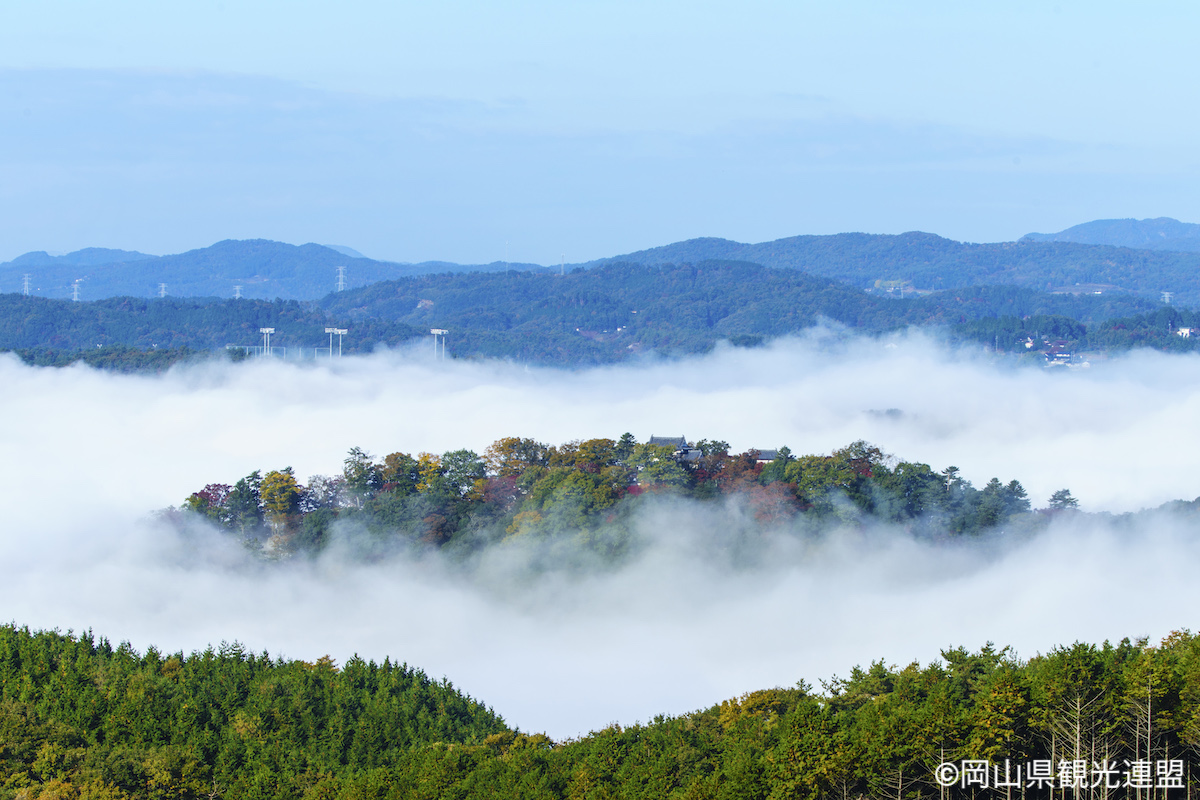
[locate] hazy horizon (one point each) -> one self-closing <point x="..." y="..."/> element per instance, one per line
<point x="464" y="131"/>
<point x="342" y="247"/>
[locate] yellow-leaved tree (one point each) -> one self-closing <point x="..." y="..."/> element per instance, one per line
<point x="280" y="493"/>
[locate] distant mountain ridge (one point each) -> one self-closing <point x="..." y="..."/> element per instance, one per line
<point x="931" y="262"/>
<point x="264" y="269"/>
<point x="1160" y="233"/>
<point x="346" y="251"/>
<point x="267" y="269"/>
<point x="87" y="257"/>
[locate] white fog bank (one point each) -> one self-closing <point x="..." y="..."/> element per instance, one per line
<point x="85" y="455"/>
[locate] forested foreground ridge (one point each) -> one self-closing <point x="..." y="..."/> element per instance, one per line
<point x="588" y="493"/>
<point x="80" y="718"/>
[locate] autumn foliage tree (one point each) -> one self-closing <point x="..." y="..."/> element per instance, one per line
<point x="588" y="489"/>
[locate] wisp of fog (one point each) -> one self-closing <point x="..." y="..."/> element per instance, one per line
<point x="86" y="456"/>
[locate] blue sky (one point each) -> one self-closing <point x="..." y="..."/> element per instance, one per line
<point x="584" y="129"/>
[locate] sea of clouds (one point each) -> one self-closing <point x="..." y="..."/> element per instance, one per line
<point x="85" y="456"/>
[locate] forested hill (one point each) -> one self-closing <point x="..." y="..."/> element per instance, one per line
<point x="622" y="308"/>
<point x="264" y="269"/>
<point x="82" y="720"/>
<point x="79" y="717"/>
<point x="587" y="497"/>
<point x="927" y="261"/>
<point x="584" y="317"/>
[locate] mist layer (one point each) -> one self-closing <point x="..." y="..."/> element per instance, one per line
<point x="86" y="455"/>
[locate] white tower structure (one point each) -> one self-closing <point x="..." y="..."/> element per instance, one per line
<point x="340" y="332"/>
<point x="25" y="285"/>
<point x="237" y="292"/>
<point x="266" y="332"/>
<point x="75" y="290"/>
<point x="162" y="290"/>
<point x="341" y="282"/>
<point x="439" y="332"/>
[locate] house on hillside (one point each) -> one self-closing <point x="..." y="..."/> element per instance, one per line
<point x="684" y="451"/>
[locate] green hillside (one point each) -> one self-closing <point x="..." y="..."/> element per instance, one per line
<point x="80" y="719"/>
